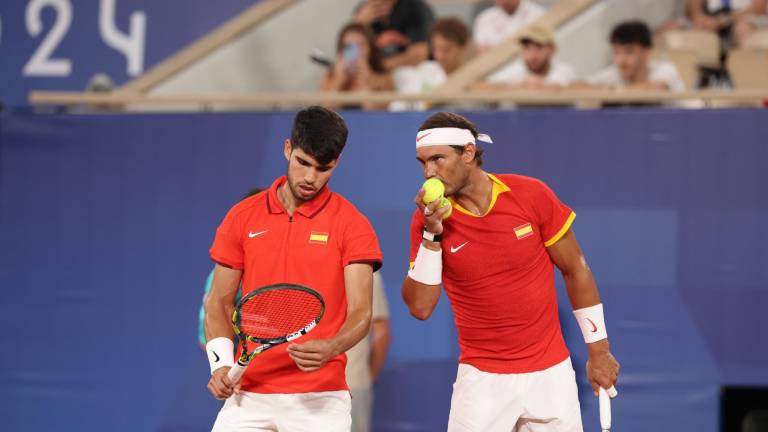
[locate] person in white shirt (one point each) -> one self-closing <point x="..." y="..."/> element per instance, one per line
<point x="451" y="46"/>
<point x="502" y="21"/>
<point x="536" y="69"/>
<point x="632" y="65"/>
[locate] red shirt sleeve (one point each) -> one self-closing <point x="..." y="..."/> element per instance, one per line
<point x="227" y="248"/>
<point x="360" y="243"/>
<point x="553" y="217"/>
<point x="417" y="226"/>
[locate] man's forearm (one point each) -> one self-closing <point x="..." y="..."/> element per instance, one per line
<point x="217" y="323"/>
<point x="219" y="302"/>
<point x="354" y="329"/>
<point x="420" y="298"/>
<point x="582" y="289"/>
<point x="414" y="55"/>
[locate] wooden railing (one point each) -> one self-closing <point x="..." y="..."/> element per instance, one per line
<point x="579" y="98"/>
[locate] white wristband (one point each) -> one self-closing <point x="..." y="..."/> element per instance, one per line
<point x="220" y="353"/>
<point x="592" y="323"/>
<point x="428" y="266"/>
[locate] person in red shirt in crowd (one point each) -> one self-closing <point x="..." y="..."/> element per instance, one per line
<point x="495" y="257"/>
<point x="296" y="232"/>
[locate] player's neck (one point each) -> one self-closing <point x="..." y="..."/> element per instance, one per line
<point x="477" y="194"/>
<point x="287" y="199"/>
<point x="641" y="75"/>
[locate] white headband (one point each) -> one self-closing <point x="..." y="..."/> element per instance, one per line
<point x="448" y="136"/>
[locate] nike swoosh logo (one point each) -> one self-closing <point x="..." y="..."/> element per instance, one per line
<point x="456" y="249"/>
<point x="217" y="357"/>
<point x="594" y="327"/>
<point x="423" y="136"/>
<point x="253" y="234"/>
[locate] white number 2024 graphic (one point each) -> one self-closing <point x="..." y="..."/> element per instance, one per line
<point x="131" y="45"/>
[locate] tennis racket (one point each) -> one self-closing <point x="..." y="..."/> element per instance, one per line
<point x="273" y="315"/>
<point x="605" y="407"/>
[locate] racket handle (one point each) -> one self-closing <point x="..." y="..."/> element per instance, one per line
<point x="605" y="409"/>
<point x="236" y="372"/>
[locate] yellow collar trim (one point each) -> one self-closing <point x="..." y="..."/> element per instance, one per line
<point x="497" y="189"/>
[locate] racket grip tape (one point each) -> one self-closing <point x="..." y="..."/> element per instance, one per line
<point x="605" y="409"/>
<point x="236" y="372"/>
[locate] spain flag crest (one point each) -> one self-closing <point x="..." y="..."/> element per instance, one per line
<point x="523" y="231"/>
<point x="317" y="237"/>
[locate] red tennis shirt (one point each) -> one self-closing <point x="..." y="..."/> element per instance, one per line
<point x="310" y="248"/>
<point x="500" y="279"/>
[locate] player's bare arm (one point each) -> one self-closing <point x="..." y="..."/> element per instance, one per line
<point x="218" y="309"/>
<point x="314" y="354"/>
<point x="602" y="367"/>
<point x="422" y="298"/>
<point x="414" y="54"/>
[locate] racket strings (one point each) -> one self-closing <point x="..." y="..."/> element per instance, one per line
<point x="276" y="313"/>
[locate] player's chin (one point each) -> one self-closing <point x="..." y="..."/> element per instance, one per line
<point x="306" y="192"/>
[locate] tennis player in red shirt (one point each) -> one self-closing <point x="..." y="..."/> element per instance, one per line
<point x="296" y="232"/>
<point x="495" y="256"/>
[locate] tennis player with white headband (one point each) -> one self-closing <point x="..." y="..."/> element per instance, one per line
<point x="495" y="256"/>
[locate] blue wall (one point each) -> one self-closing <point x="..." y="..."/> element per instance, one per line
<point x="105" y="222"/>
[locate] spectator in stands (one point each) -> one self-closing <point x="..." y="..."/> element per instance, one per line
<point x="358" y="65"/>
<point x="401" y="28"/>
<point x="632" y="65"/>
<point x="451" y="46"/>
<point x="732" y="20"/>
<point x="450" y="41"/>
<point x="502" y="21"/>
<point x="536" y="69"/>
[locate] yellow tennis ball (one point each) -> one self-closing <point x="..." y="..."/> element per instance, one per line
<point x="444" y="203"/>
<point x="433" y="189"/>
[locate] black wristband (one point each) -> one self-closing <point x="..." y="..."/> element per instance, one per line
<point x="426" y="235"/>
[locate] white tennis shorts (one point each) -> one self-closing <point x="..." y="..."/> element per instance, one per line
<point x="539" y="401"/>
<point x="297" y="412"/>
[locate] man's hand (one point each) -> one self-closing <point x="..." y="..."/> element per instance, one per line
<point x="311" y="356"/>
<point x="372" y="11"/>
<point x="433" y="216"/>
<point x="220" y="386"/>
<point x="602" y="367"/>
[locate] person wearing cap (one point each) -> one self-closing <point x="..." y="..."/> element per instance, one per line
<point x="536" y="68"/>
<point x="495" y="257"/>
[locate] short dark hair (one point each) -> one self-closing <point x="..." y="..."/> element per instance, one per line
<point x="319" y="132"/>
<point x="451" y="28"/>
<point x="448" y="119"/>
<point x="632" y="32"/>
